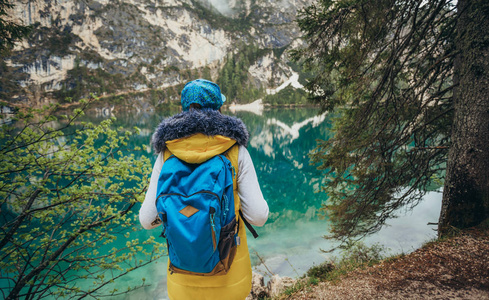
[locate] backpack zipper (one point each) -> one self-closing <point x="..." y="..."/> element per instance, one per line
<point x="178" y="194"/>
<point x="226" y="207"/>
<point x="213" y="227"/>
<point x="163" y="220"/>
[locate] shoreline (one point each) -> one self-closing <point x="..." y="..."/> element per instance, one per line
<point x="450" y="268"/>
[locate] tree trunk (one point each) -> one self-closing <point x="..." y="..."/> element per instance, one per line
<point x="466" y="191"/>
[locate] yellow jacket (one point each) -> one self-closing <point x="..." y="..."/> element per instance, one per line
<point x="236" y="284"/>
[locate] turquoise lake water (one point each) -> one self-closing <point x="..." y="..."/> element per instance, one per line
<point x="291" y="241"/>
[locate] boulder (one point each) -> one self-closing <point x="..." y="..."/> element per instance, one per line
<point x="258" y="288"/>
<point x="278" y="284"/>
<point x="275" y="286"/>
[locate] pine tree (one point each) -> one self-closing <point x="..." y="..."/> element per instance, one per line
<point x="10" y="32"/>
<point x="389" y="69"/>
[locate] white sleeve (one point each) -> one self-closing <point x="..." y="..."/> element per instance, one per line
<point x="148" y="215"/>
<point x="253" y="205"/>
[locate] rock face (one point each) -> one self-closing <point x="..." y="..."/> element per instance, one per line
<point x="146" y="44"/>
<point x="258" y="288"/>
<point x="274" y="287"/>
<point x="278" y="284"/>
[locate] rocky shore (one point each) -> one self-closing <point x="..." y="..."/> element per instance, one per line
<point x="275" y="286"/>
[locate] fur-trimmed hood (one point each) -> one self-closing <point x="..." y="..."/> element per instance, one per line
<point x="208" y="122"/>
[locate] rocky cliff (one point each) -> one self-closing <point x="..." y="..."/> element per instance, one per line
<point x="120" y="46"/>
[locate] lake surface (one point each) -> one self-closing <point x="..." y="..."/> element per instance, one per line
<point x="291" y="241"/>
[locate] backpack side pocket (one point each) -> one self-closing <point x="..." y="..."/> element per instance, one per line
<point x="227" y="244"/>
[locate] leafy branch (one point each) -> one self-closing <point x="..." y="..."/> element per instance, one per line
<point x="68" y="192"/>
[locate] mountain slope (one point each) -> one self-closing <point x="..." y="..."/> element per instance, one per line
<point x="109" y="47"/>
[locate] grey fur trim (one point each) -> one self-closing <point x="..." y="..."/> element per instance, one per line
<point x="208" y="122"/>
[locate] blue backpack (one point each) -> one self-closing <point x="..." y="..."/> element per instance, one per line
<point x="196" y="204"/>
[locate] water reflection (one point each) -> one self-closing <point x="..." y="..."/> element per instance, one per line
<point x="290" y="242"/>
<point x="280" y="141"/>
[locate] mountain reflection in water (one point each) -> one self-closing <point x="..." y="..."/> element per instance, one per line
<point x="291" y="241"/>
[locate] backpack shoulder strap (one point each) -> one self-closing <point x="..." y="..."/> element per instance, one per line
<point x="248" y="225"/>
<point x="232" y="154"/>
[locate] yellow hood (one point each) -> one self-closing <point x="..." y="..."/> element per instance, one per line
<point x="199" y="147"/>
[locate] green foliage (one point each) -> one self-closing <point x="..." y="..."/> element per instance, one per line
<point x="67" y="192"/>
<point x="356" y="255"/>
<point x="216" y="19"/>
<point x="298" y="286"/>
<point x="82" y="81"/>
<point x="10" y="32"/>
<point x="320" y="271"/>
<point x="9" y="80"/>
<point x="386" y="68"/>
<point x="287" y="96"/>
<point x="206" y="73"/>
<point x="53" y="40"/>
<point x="234" y="78"/>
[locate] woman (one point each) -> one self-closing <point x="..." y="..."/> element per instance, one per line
<point x="195" y="135"/>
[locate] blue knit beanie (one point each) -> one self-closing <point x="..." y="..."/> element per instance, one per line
<point x="204" y="92"/>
